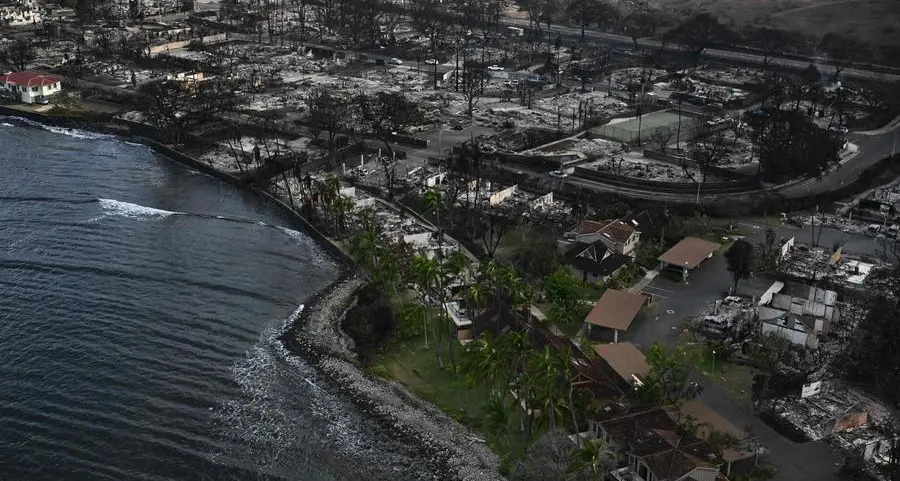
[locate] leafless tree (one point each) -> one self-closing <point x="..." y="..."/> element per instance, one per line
<point x="842" y="50"/>
<point x="472" y="87"/>
<point x="661" y="137"/>
<point x="18" y="54"/>
<point x="707" y="153"/>
<point x="327" y="113"/>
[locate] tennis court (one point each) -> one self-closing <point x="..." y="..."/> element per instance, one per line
<point x="627" y="130"/>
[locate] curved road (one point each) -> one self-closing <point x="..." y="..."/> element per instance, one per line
<point x="728" y="55"/>
<point x="872" y="148"/>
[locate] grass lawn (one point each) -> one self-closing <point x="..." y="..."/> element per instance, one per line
<point x="416" y="368"/>
<point x="735" y="379"/>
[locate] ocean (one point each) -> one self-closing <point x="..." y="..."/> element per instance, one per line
<point x="140" y="306"/>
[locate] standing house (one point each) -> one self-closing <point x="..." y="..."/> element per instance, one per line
<point x="614" y="312"/>
<point x="687" y="255"/>
<point x="624" y="362"/>
<point x="650" y="446"/>
<point x="31" y="87"/>
<point x="594" y="262"/>
<point x="619" y="236"/>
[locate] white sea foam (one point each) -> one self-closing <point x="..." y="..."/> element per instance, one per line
<point x="75" y="133"/>
<point x="133" y="211"/>
<point x="6" y="124"/>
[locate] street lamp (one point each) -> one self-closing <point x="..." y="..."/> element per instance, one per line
<point x="714" y="361"/>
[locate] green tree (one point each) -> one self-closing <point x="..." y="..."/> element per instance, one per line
<point x="565" y="293"/>
<point x="497" y="419"/>
<point x="740" y="257"/>
<point x="669" y="382"/>
<point x="426" y="273"/>
<point x="549" y="382"/>
<point x="592" y="460"/>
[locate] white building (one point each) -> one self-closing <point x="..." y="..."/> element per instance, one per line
<point x="19" y="13"/>
<point x="31" y="87"/>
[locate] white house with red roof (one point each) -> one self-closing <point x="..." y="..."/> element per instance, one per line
<point x="31" y="87"/>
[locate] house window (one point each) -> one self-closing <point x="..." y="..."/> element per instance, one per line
<point x="34" y="89"/>
<point x="643" y="472"/>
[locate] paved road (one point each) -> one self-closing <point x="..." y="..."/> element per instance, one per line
<point x="717" y="54"/>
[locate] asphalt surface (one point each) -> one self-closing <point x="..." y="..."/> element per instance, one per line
<point x="729" y="55"/>
<point x="673" y="302"/>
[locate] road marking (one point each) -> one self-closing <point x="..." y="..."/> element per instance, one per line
<point x="660" y="289"/>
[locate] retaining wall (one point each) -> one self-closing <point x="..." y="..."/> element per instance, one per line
<point x="662" y="186"/>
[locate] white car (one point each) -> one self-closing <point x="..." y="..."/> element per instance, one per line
<point x="558" y="174"/>
<point x="395" y="61"/>
<point x="431" y="61"/>
<point x="495" y="68"/>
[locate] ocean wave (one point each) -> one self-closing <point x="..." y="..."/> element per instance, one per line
<point x="6" y="124"/>
<point x="74" y="133"/>
<point x="133" y="211"/>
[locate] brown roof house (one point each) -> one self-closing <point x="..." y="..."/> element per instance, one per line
<point x="687" y="255"/>
<point x="614" y="312"/>
<point x="624" y="362"/>
<point x="652" y="447"/>
<point x="619" y="236"/>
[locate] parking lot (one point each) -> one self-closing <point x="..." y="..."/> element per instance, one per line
<point x="675" y="301"/>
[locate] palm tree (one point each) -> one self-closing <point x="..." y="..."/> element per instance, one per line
<point x="545" y="370"/>
<point x="496" y="419"/>
<point x="418" y="312"/>
<point x="593" y="458"/>
<point x="427" y="274"/>
<point x="474" y="295"/>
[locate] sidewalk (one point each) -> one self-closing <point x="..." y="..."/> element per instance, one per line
<point x="641" y="284"/>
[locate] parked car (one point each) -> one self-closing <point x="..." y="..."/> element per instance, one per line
<point x="42" y="101"/>
<point x="559" y="174"/>
<point x="495" y="68"/>
<point x="395" y="61"/>
<point x="431" y="61"/>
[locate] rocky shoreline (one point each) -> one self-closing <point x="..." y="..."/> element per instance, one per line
<point x="453" y="452"/>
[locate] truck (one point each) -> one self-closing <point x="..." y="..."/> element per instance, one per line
<point x="516" y="31"/>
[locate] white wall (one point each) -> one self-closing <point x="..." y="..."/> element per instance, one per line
<point x="30" y="94"/>
<point x="543" y="200"/>
<point x="503" y="195"/>
<point x="795" y="337"/>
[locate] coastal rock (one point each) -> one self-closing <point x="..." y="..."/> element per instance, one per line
<point x="445" y="445"/>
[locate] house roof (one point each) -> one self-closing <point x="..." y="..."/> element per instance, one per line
<point x="614" y="230"/>
<point x="29" y="79"/>
<point x="588" y="227"/>
<point x="595" y="258"/>
<point x="674" y="463"/>
<point x="624" y="358"/>
<point x="704" y="414"/>
<point x="689" y="253"/>
<point x="617" y="231"/>
<point x="616" y="309"/>
<point x="652" y="435"/>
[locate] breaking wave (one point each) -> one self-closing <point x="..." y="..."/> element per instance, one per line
<point x="74" y="133"/>
<point x="133" y="211"/>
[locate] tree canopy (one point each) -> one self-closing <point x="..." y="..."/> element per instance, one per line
<point x="740" y="257"/>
